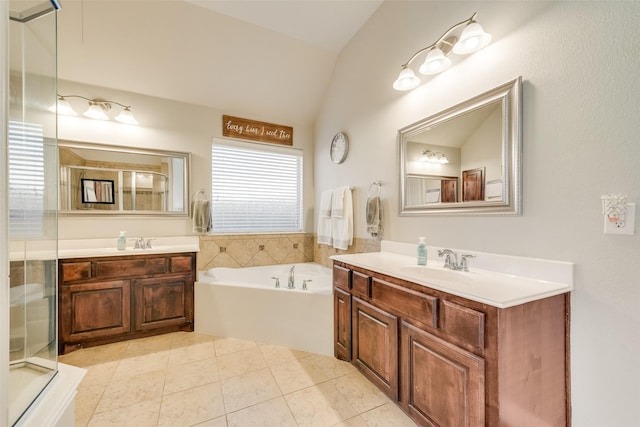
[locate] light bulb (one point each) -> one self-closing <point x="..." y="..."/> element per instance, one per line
<point x="472" y="39"/>
<point x="95" y="112"/>
<point x="126" y="116"/>
<point x="435" y="62"/>
<point x="406" y="80"/>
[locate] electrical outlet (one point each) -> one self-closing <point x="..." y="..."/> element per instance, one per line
<point x="622" y="227"/>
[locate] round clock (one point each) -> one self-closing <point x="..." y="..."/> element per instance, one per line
<point x="339" y="147"/>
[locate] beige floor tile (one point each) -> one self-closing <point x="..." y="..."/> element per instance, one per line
<point x="95" y="355"/>
<point x="130" y="390"/>
<point x="351" y="422"/>
<point x="240" y="362"/>
<point x="148" y="345"/>
<point x="189" y="375"/>
<point x="360" y="392"/>
<point x="333" y="367"/>
<point x="387" y="415"/>
<point x="216" y="422"/>
<point x="138" y="365"/>
<point x="232" y="345"/>
<point x="182" y="339"/>
<point x="275" y="354"/>
<point x="191" y="353"/>
<point x="192" y="406"/>
<point x="99" y="374"/>
<point x="297" y="374"/>
<point x="321" y="405"/>
<point x="143" y="414"/>
<point x="248" y="389"/>
<point x="86" y="401"/>
<point x="266" y="414"/>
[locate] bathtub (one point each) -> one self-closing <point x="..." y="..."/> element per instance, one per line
<point x="244" y="303"/>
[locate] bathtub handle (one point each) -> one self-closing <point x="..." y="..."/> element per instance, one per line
<point x="277" y="281"/>
<point x="304" y="284"/>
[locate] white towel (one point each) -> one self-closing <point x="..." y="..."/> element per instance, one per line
<point x="432" y="196"/>
<point x="325" y="203"/>
<point x="493" y="189"/>
<point x="342" y="218"/>
<point x="324" y="218"/>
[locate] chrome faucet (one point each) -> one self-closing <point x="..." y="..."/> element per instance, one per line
<point x="451" y="260"/>
<point x="141" y="244"/>
<point x="291" y="283"/>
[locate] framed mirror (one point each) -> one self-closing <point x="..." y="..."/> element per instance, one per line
<point x="466" y="159"/>
<point x="98" y="179"/>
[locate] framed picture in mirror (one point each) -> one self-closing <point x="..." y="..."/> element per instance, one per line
<point x="97" y="191"/>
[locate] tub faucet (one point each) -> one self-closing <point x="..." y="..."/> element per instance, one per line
<point x="291" y="283"/>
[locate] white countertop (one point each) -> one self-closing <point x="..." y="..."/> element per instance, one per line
<point x="497" y="280"/>
<point x="86" y="248"/>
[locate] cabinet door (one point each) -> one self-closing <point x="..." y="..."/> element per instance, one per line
<point x="94" y="310"/>
<point x="442" y="384"/>
<point x="162" y="301"/>
<point x="342" y="324"/>
<point x="375" y="345"/>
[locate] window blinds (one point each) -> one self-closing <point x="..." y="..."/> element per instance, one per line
<point x="255" y="190"/>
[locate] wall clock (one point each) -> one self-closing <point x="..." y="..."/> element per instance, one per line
<point x="339" y="147"/>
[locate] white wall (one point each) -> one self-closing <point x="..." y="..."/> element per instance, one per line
<point x="579" y="62"/>
<point x="165" y="125"/>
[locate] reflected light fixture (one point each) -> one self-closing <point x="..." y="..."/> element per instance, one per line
<point x="434" y="157"/>
<point x="472" y="39"/>
<point x="98" y="109"/>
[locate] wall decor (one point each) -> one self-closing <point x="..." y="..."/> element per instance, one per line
<point x="254" y="130"/>
<point x="339" y="147"/>
<point x="97" y="191"/>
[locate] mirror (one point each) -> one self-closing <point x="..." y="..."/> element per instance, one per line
<point x="107" y="179"/>
<point x="466" y="159"/>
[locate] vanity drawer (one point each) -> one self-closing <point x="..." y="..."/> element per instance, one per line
<point x="361" y="284"/>
<point x="71" y="271"/>
<point x="180" y="264"/>
<point x="463" y="323"/>
<point x="342" y="277"/>
<point x="130" y="267"/>
<point x="405" y="302"/>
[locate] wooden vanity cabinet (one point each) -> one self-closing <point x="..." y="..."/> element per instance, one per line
<point x="450" y="361"/>
<point x="107" y="299"/>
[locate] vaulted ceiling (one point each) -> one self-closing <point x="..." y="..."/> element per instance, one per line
<point x="269" y="59"/>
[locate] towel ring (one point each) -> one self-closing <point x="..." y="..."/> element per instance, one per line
<point x="202" y="193"/>
<point x="377" y="186"/>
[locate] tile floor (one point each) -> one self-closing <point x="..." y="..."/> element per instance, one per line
<point x="192" y="379"/>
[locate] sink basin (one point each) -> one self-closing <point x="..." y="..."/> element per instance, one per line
<point x="439" y="275"/>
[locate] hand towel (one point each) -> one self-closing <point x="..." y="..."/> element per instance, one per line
<point x="374" y="216"/>
<point x="201" y="219"/>
<point x="324" y="218"/>
<point x="342" y="218"/>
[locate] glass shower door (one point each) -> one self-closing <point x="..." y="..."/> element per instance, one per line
<point x="32" y="216"/>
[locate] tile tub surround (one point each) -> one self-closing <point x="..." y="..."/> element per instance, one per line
<point x="499" y="280"/>
<point x="184" y="379"/>
<point x="251" y="250"/>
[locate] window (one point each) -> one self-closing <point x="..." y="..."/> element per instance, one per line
<point x="255" y="188"/>
<point x="26" y="180"/>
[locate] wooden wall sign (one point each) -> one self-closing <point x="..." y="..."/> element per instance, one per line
<point x="253" y="130"/>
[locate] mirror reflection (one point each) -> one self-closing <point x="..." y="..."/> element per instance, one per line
<point x="464" y="159"/>
<point x="114" y="180"/>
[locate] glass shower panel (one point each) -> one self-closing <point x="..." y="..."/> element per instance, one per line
<point x="32" y="217"/>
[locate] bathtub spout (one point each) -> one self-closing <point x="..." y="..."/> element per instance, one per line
<point x="291" y="283"/>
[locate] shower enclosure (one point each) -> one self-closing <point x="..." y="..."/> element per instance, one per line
<point x="28" y="216"/>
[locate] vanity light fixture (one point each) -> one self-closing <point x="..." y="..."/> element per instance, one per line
<point x="472" y="39"/>
<point x="434" y="157"/>
<point x="98" y="109"/>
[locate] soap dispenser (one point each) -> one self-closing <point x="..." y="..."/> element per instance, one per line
<point x="422" y="252"/>
<point x="122" y="241"/>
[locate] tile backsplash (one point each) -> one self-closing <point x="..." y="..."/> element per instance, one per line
<point x="248" y="250"/>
